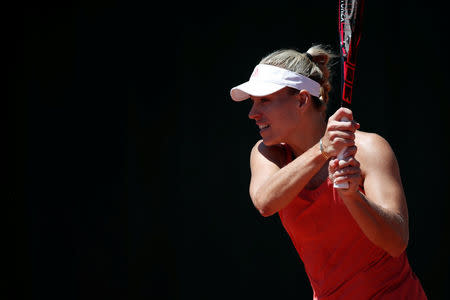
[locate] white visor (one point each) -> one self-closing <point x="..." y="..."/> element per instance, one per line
<point x="268" y="79"/>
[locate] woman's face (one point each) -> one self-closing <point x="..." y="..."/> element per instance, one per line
<point x="276" y="115"/>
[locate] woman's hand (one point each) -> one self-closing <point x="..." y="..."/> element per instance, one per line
<point x="346" y="170"/>
<point x="339" y="134"/>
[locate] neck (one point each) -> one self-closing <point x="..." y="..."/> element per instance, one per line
<point x="310" y="134"/>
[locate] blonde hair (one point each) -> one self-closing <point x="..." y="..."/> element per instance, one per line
<point x="314" y="63"/>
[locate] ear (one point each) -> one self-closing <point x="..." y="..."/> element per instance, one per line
<point x="303" y="98"/>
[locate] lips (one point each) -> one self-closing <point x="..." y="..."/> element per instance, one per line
<point x="262" y="126"/>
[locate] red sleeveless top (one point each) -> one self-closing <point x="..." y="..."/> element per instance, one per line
<point x="340" y="261"/>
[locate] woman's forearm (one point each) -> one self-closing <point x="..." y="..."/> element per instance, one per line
<point x="385" y="229"/>
<point x="284" y="185"/>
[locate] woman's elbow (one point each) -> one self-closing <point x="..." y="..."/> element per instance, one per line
<point x="400" y="247"/>
<point x="263" y="208"/>
<point x="265" y="212"/>
<point x="397" y="252"/>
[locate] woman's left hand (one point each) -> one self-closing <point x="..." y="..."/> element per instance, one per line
<point x="346" y="170"/>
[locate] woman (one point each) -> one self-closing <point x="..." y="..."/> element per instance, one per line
<point x="351" y="240"/>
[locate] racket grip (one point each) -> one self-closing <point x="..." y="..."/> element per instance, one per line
<point x="342" y="185"/>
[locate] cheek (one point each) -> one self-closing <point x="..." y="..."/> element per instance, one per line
<point x="281" y="114"/>
<point x="285" y="122"/>
<point x="286" y="110"/>
<point x="289" y="115"/>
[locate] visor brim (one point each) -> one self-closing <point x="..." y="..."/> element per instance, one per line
<point x="254" y="88"/>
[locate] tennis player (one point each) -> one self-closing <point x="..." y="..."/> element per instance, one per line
<point x="352" y="241"/>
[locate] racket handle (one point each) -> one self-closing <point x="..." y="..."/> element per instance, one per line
<point x="342" y="185"/>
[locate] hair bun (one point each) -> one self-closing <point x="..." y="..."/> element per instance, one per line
<point x="318" y="57"/>
<point x="321" y="56"/>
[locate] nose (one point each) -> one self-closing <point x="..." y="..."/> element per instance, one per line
<point x="254" y="112"/>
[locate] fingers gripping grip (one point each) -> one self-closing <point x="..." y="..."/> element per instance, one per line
<point x="342" y="185"/>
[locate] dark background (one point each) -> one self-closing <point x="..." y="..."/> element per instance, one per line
<point x="129" y="161"/>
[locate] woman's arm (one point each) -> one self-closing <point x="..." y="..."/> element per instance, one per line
<point x="382" y="212"/>
<point x="273" y="187"/>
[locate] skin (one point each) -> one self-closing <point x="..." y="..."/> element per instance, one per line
<point x="369" y="162"/>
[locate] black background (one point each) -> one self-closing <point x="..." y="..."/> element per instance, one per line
<point x="129" y="161"/>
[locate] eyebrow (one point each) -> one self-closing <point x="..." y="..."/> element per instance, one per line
<point x="259" y="98"/>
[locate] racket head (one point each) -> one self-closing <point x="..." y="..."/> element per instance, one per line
<point x="350" y="27"/>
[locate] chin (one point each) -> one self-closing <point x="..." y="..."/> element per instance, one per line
<point x="270" y="141"/>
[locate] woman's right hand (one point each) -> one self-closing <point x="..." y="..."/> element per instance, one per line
<point x="339" y="134"/>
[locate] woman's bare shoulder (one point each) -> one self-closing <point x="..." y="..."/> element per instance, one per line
<point x="374" y="151"/>
<point x="275" y="154"/>
<point x="371" y="143"/>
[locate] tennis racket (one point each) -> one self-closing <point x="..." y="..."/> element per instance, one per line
<point x="350" y="25"/>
